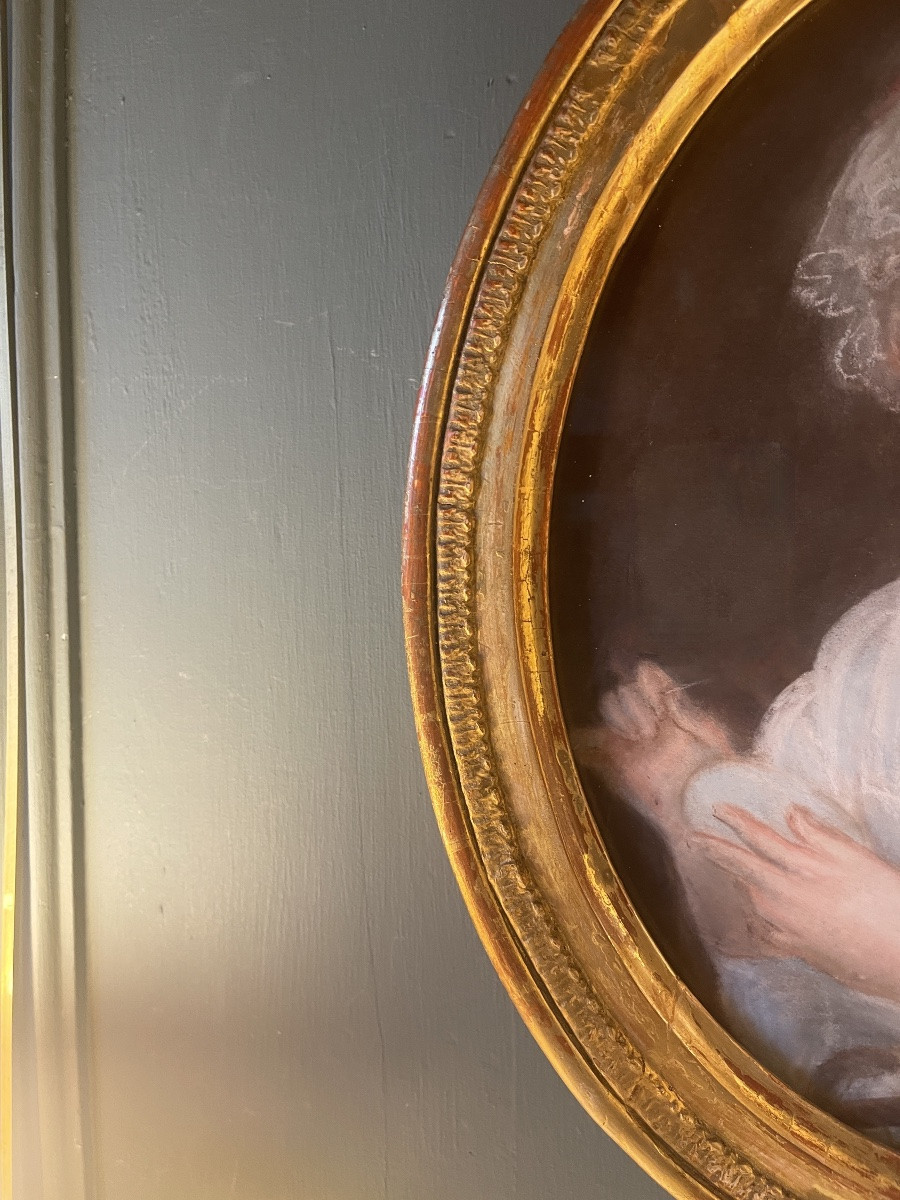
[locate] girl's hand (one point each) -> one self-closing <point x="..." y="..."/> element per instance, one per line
<point x="653" y="739"/>
<point x="823" y="897"/>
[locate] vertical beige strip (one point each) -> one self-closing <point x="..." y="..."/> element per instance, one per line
<point x="43" y="416"/>
<point x="10" y="792"/>
<point x="9" y="485"/>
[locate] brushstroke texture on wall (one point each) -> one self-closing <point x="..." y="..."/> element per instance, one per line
<point x="285" y="997"/>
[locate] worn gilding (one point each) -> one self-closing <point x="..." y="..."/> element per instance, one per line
<point x="623" y="89"/>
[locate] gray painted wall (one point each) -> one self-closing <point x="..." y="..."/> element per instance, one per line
<point x="286" y="996"/>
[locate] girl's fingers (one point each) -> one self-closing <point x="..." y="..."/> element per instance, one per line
<point x="771" y="939"/>
<point x="815" y="833"/>
<point x="670" y="699"/>
<point x="638" y="711"/>
<point x="738" y="860"/>
<point x="655" y="685"/>
<point x="616" y="718"/>
<point x="762" y="839"/>
<point x="666" y="697"/>
<point x="699" y="724"/>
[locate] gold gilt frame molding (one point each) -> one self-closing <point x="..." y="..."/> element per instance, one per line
<point x="620" y="93"/>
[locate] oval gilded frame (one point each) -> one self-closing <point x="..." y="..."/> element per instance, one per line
<point x="621" y="91"/>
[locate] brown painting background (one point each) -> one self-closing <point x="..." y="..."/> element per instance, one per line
<point x="719" y="500"/>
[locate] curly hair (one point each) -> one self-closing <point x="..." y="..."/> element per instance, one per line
<point x="850" y="272"/>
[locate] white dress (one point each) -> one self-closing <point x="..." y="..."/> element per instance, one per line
<point x="831" y="742"/>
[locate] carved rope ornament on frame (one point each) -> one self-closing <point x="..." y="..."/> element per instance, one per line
<point x="619" y="95"/>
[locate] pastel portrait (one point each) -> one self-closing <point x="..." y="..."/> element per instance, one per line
<point x="725" y="564"/>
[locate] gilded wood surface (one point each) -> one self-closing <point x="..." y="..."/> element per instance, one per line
<point x="675" y="1090"/>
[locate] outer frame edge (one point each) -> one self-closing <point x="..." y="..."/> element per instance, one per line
<point x="503" y="948"/>
<point x="427" y="682"/>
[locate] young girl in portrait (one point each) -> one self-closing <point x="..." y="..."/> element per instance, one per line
<point x="789" y="855"/>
